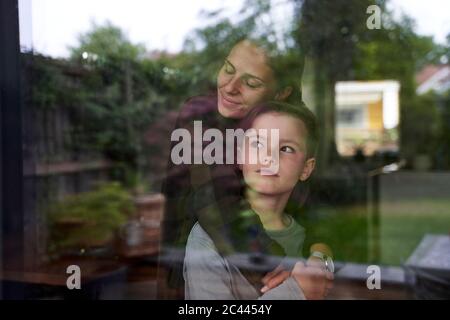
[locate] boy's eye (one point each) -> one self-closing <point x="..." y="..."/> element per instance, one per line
<point x="287" y="149"/>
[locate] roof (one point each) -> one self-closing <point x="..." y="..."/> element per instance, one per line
<point x="433" y="78"/>
<point x="426" y="73"/>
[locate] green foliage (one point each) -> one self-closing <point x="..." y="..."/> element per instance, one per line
<point x="342" y="48"/>
<point x="118" y="100"/>
<point x="422" y="125"/>
<point x="396" y="52"/>
<point x="207" y="47"/>
<point x="51" y="86"/>
<point x="343" y="228"/>
<point x="105" y="42"/>
<point x="88" y="219"/>
<point x="329" y="32"/>
<point x="114" y="93"/>
<point x="121" y="92"/>
<point x="399" y="53"/>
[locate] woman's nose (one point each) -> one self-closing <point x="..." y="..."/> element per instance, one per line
<point x="232" y="87"/>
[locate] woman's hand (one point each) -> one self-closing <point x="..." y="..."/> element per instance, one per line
<point x="313" y="278"/>
<point x="315" y="281"/>
<point x="274" y="278"/>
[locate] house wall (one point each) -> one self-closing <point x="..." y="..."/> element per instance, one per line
<point x="375" y="115"/>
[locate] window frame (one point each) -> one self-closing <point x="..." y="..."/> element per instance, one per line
<point x="11" y="153"/>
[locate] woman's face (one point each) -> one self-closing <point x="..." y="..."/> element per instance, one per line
<point x="244" y="81"/>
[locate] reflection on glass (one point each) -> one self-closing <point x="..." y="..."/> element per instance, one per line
<point x="99" y="108"/>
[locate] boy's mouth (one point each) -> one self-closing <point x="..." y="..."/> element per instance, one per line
<point x="268" y="172"/>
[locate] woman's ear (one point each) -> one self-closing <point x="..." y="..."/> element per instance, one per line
<point x="308" y="169"/>
<point x="284" y="93"/>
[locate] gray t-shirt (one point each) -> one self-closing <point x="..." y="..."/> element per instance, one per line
<point x="208" y="276"/>
<point x="290" y="238"/>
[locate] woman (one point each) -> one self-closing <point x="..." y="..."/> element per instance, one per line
<point x="210" y="194"/>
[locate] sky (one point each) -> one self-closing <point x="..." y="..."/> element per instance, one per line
<point x="51" y="26"/>
<point x="432" y="16"/>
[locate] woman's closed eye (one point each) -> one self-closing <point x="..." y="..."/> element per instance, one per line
<point x="228" y="68"/>
<point x="253" y="83"/>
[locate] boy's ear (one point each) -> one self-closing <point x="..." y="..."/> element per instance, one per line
<point x="283" y="93"/>
<point x="310" y="164"/>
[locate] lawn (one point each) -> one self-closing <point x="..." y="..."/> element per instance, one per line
<point x="402" y="226"/>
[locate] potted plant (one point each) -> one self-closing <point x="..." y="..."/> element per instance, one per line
<point x="88" y="220"/>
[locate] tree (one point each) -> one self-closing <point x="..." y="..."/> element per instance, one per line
<point x="340" y="47"/>
<point x="328" y="32"/>
<point x="105" y="42"/>
<point x="398" y="52"/>
<point x="121" y="95"/>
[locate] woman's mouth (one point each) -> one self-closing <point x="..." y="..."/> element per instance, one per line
<point x="229" y="103"/>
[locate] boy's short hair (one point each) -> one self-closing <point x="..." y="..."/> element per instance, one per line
<point x="298" y="111"/>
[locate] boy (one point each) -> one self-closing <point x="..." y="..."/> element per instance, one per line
<point x="207" y="274"/>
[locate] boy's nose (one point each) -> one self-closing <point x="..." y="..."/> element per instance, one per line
<point x="269" y="160"/>
<point x="270" y="166"/>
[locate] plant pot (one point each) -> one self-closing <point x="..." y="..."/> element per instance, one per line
<point x="141" y="235"/>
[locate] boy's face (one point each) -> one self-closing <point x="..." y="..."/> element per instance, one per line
<point x="289" y="155"/>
